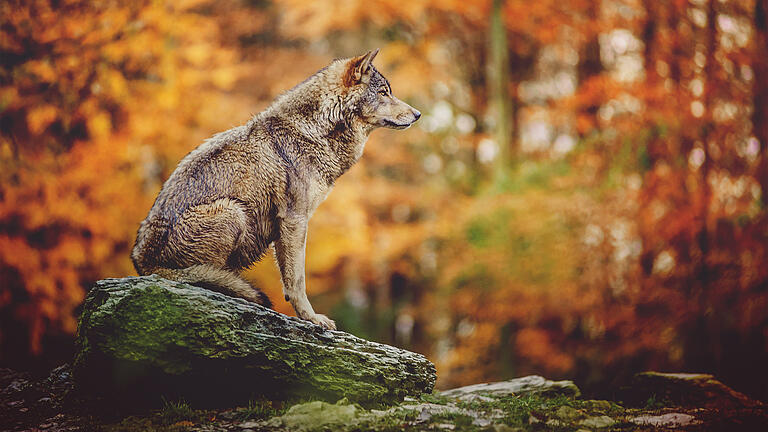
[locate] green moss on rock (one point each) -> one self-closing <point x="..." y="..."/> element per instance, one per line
<point x="147" y="334"/>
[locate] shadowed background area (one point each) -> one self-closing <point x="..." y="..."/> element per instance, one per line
<point x="583" y="198"/>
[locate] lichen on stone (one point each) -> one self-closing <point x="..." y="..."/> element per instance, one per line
<point x="147" y="331"/>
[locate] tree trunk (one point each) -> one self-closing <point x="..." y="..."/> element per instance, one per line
<point x="590" y="65"/>
<point x="498" y="78"/>
<point x="760" y="93"/>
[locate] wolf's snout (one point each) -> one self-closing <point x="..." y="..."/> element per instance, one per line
<point x="416" y="114"/>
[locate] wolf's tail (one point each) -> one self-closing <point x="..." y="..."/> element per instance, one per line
<point x="216" y="279"/>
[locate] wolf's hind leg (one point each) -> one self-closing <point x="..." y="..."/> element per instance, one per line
<point x="207" y="234"/>
<point x="200" y="245"/>
<point x="216" y="279"/>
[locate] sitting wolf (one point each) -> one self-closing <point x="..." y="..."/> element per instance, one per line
<point x="243" y="189"/>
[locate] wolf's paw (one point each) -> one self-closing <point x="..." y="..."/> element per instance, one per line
<point x="323" y="321"/>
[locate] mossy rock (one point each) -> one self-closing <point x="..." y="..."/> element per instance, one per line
<point x="685" y="389"/>
<point x="532" y="384"/>
<point x="143" y="338"/>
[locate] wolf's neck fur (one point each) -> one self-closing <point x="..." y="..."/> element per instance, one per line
<point x="311" y="121"/>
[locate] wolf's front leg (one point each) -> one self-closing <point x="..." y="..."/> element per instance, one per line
<point x="289" y="250"/>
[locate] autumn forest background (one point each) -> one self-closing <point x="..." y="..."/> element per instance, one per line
<point x="583" y="198"/>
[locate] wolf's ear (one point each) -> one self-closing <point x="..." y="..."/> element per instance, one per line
<point x="359" y="67"/>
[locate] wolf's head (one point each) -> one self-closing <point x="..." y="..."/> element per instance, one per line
<point x="343" y="99"/>
<point x="371" y="95"/>
<point x="330" y="114"/>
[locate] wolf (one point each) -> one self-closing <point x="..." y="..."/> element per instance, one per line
<point x="258" y="184"/>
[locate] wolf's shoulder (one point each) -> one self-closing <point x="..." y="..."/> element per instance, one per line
<point x="218" y="144"/>
<point x="233" y="135"/>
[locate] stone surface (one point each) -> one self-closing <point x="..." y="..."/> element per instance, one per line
<point x="598" y="422"/>
<point x="598" y="405"/>
<point x="687" y="390"/>
<point x="671" y="420"/>
<point x="143" y="336"/>
<point x="428" y="410"/>
<point x="31" y="405"/>
<point x="532" y="384"/>
<point x="316" y="415"/>
<point x="567" y="413"/>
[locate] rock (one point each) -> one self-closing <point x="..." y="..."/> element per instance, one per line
<point x="598" y="405"/>
<point x="141" y="338"/>
<point x="477" y="398"/>
<point x="686" y="390"/>
<point x="517" y="386"/>
<point x="316" y="415"/>
<point x="567" y="413"/>
<point x="555" y="423"/>
<point x="671" y="420"/>
<point x="504" y="428"/>
<point x="598" y="422"/>
<point x="427" y="410"/>
<point x="481" y="422"/>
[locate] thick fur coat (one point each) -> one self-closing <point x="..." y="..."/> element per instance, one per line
<point x="258" y="184"/>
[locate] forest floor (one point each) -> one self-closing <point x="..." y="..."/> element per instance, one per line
<point x="41" y="405"/>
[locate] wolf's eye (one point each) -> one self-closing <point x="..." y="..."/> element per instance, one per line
<point x="383" y="92"/>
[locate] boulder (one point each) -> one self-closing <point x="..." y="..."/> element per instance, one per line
<point x="686" y="390"/>
<point x="669" y="420"/>
<point x="532" y="384"/>
<point x="141" y="339"/>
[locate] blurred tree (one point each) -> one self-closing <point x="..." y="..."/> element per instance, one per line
<point x="697" y="230"/>
<point x="760" y="98"/>
<point x="590" y="67"/>
<point x="88" y="92"/>
<point x="498" y="77"/>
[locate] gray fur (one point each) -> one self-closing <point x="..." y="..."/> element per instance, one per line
<point x="258" y="184"/>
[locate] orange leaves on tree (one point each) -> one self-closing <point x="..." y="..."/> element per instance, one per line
<point x="85" y="89"/>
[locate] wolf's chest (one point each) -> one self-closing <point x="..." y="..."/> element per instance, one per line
<point x="317" y="191"/>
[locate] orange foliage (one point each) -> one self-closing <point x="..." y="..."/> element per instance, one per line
<point x="79" y="139"/>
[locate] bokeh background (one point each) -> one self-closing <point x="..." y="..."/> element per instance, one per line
<point x="583" y="198"/>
